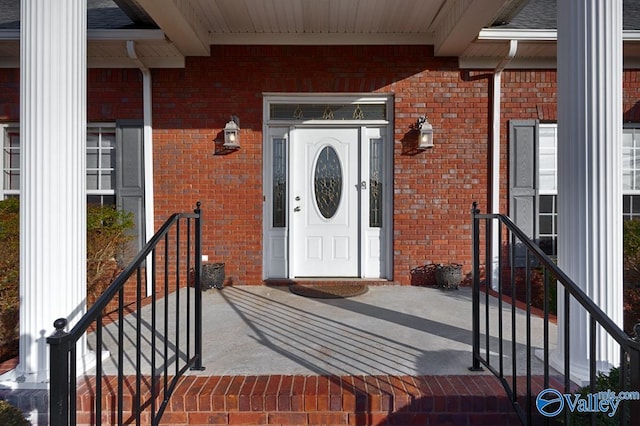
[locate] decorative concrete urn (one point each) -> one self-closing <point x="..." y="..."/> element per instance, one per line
<point x="449" y="275"/>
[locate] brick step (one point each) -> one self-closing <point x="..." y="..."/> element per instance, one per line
<point x="300" y="400"/>
<point x="322" y="400"/>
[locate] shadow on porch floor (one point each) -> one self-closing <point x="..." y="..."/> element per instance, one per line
<point x="394" y="355"/>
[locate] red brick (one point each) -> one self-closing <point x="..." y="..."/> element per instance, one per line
<point x="323" y="393"/>
<point x="258" y="393"/>
<point x="271" y="393"/>
<point x="218" y="395"/>
<point x="231" y="397"/>
<point x="247" y="418"/>
<point x="208" y="418"/>
<point x="284" y="394"/>
<point x="204" y="399"/>
<point x="297" y="393"/>
<point x="288" y="418"/>
<point x="191" y="397"/>
<point x="332" y="418"/>
<point x="311" y="394"/>
<point x="244" y="395"/>
<point x="335" y="393"/>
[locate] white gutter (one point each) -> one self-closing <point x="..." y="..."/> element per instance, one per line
<point x="494" y="196"/>
<point x="148" y="148"/>
<point x="510" y="34"/>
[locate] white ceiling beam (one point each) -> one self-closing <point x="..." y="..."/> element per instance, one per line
<point x="181" y="23"/>
<point x="459" y="25"/>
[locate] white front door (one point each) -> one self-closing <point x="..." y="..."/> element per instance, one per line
<point x="324" y="202"/>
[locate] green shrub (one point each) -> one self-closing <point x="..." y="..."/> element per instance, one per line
<point x="108" y="248"/>
<point x="11" y="416"/>
<point x="9" y="277"/>
<point x="631" y="253"/>
<point x="604" y="382"/>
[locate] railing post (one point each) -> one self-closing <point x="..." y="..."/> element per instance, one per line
<point x="198" y="288"/>
<point x="476" y="288"/>
<point x="634" y="373"/>
<point x="58" y="375"/>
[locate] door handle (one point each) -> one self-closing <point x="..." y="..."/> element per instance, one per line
<point x="296" y="209"/>
<point x="363" y="185"/>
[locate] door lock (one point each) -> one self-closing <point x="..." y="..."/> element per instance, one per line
<point x="363" y="184"/>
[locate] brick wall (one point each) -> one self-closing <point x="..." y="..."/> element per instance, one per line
<point x="433" y="190"/>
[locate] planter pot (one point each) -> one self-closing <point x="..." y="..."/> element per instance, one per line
<point x="212" y="275"/>
<point x="449" y="276"/>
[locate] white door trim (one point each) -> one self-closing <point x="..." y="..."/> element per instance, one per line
<point x="375" y="243"/>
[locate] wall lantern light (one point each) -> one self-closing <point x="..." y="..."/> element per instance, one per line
<point x="232" y="133"/>
<point x="425" y="140"/>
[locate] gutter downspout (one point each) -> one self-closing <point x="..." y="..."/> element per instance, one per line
<point x="148" y="146"/>
<point x="494" y="195"/>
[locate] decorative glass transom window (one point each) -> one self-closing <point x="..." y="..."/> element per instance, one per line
<point x="346" y="111"/>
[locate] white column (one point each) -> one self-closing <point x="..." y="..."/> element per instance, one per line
<point x="589" y="169"/>
<point x="52" y="194"/>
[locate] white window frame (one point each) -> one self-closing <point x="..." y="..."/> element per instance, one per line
<point x="633" y="160"/>
<point x="100" y="191"/>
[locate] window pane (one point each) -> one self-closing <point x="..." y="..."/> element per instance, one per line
<point x="546" y="225"/>
<point x="107" y="159"/>
<point x="328" y="111"/>
<point x="627" y="181"/>
<point x="92" y="179"/>
<point x="92" y="139"/>
<point x="92" y="159"/>
<point x="279" y="183"/>
<point x="546" y="203"/>
<point x="547" y="181"/>
<point x="375" y="183"/>
<point x="107" y="180"/>
<point x="627" y="159"/>
<point x="328" y="182"/>
<point x="13" y="180"/>
<point x="627" y="138"/>
<point x="109" y="140"/>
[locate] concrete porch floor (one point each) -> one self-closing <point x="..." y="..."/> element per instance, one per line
<point x="392" y="330"/>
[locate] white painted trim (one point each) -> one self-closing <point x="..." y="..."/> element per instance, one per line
<point x="147" y="141"/>
<point x="333" y="39"/>
<point x="495" y="157"/>
<point x="509" y="34"/>
<point x="537" y="34"/>
<point x="386" y="132"/>
<point x="104" y="35"/>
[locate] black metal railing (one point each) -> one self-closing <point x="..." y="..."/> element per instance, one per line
<point x="520" y="263"/>
<point x="142" y="348"/>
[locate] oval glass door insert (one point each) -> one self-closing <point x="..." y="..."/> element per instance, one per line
<point x="328" y="182"/>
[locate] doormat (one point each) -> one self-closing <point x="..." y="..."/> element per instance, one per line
<point x="328" y="291"/>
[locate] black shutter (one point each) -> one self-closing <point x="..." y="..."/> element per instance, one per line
<point x="523" y="178"/>
<point x="130" y="174"/>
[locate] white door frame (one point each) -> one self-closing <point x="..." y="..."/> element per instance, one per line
<point x="375" y="243"/>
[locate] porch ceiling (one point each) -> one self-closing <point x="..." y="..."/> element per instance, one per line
<point x="449" y="25"/>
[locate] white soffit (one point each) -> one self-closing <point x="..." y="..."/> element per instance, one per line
<point x="107" y="49"/>
<point x="536" y="49"/>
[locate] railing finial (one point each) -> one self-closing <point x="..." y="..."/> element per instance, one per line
<point x="60" y="325"/>
<point x="474" y="208"/>
<point x="197" y="209"/>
